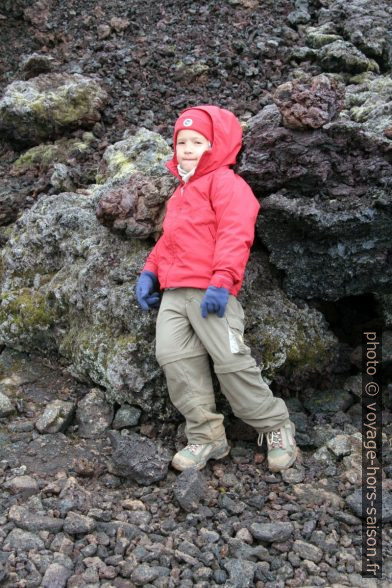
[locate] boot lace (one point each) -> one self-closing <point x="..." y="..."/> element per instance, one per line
<point x="274" y="439"/>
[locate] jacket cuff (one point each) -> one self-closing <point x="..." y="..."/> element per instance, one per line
<point x="222" y="280"/>
<point x="149" y="266"/>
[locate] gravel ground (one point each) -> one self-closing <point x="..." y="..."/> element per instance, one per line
<point x="70" y="518"/>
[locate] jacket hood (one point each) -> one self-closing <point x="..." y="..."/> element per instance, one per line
<point x="226" y="141"/>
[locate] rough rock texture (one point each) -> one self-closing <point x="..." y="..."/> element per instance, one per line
<point x="315" y="224"/>
<point x="138" y="458"/>
<point x="292" y="342"/>
<point x="14" y="198"/>
<point x="144" y="152"/>
<point x="94" y="415"/>
<point x="312" y="103"/>
<point x="365" y="24"/>
<point x="137" y="185"/>
<point x="109" y="528"/>
<point x="49" y="104"/>
<point x="136" y="207"/>
<point x="56" y="417"/>
<point x="189" y="489"/>
<point x="369" y="101"/>
<point x="42" y="157"/>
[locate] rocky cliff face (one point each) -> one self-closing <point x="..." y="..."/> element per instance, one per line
<point x="86" y="115"/>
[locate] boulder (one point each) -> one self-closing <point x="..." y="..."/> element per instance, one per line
<point x="344" y="56"/>
<point x="136" y="185"/>
<point x="48" y="105"/>
<point x="135" y="208"/>
<point x="144" y="152"/>
<point x="365" y="24"/>
<point x="309" y="103"/>
<point x="369" y="101"/>
<point x="326" y="207"/>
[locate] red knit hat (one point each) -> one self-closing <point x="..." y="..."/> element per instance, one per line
<point x="194" y="119"/>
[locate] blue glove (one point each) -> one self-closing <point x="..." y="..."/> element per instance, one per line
<point x="146" y="293"/>
<point x="214" y="300"/>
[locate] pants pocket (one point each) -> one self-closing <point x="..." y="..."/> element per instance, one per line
<point x="235" y="329"/>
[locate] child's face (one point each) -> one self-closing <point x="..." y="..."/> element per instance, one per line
<point x="189" y="148"/>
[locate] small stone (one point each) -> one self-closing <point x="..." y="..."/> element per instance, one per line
<point x="241" y="572"/>
<point x="130" y="504"/>
<point x="354" y="501"/>
<point x="119" y="24"/>
<point x="244" y="535"/>
<point x="310" y="566"/>
<point x="94" y="414"/>
<point x="310" y="494"/>
<point x="26" y="519"/>
<point x="23" y="540"/>
<point x="347" y="518"/>
<point x="189" y="489"/>
<point x="139" y="458"/>
<point x="25" y="485"/>
<point x="56" y="417"/>
<point x="340" y="445"/>
<point x="126" y="416"/>
<point x="233" y="507"/>
<point x="323" y="455"/>
<point x="103" y="31"/>
<point x="293" y="475"/>
<point x="207" y="536"/>
<point x="56" y="576"/>
<point x="307" y="551"/>
<point x="6" y="406"/>
<point x="76" y="523"/>
<point x="271" y="532"/>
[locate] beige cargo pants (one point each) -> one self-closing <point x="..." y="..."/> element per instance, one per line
<point x="184" y="340"/>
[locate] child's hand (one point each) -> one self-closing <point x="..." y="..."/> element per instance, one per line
<point x="214" y="300"/>
<point x="145" y="294"/>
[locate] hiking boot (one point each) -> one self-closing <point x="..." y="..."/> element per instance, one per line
<point x="282" y="449"/>
<point x="196" y="456"/>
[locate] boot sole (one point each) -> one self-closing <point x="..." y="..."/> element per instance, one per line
<point x="202" y="464"/>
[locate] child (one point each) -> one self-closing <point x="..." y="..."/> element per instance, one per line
<point x="199" y="263"/>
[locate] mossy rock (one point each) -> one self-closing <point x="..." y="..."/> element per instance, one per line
<point x="48" y="105"/>
<point x="145" y="152"/>
<point x="44" y="156"/>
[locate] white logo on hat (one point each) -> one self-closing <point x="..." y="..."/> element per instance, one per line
<point x="187" y="122"/>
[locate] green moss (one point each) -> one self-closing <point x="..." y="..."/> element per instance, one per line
<point x="71" y="104"/>
<point x="47" y="154"/>
<point x="27" y="308"/>
<point x="317" y="40"/>
<point x="271" y="348"/>
<point x="307" y="353"/>
<point x="121" y="164"/>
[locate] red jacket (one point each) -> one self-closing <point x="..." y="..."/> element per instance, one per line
<point x="209" y="223"/>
